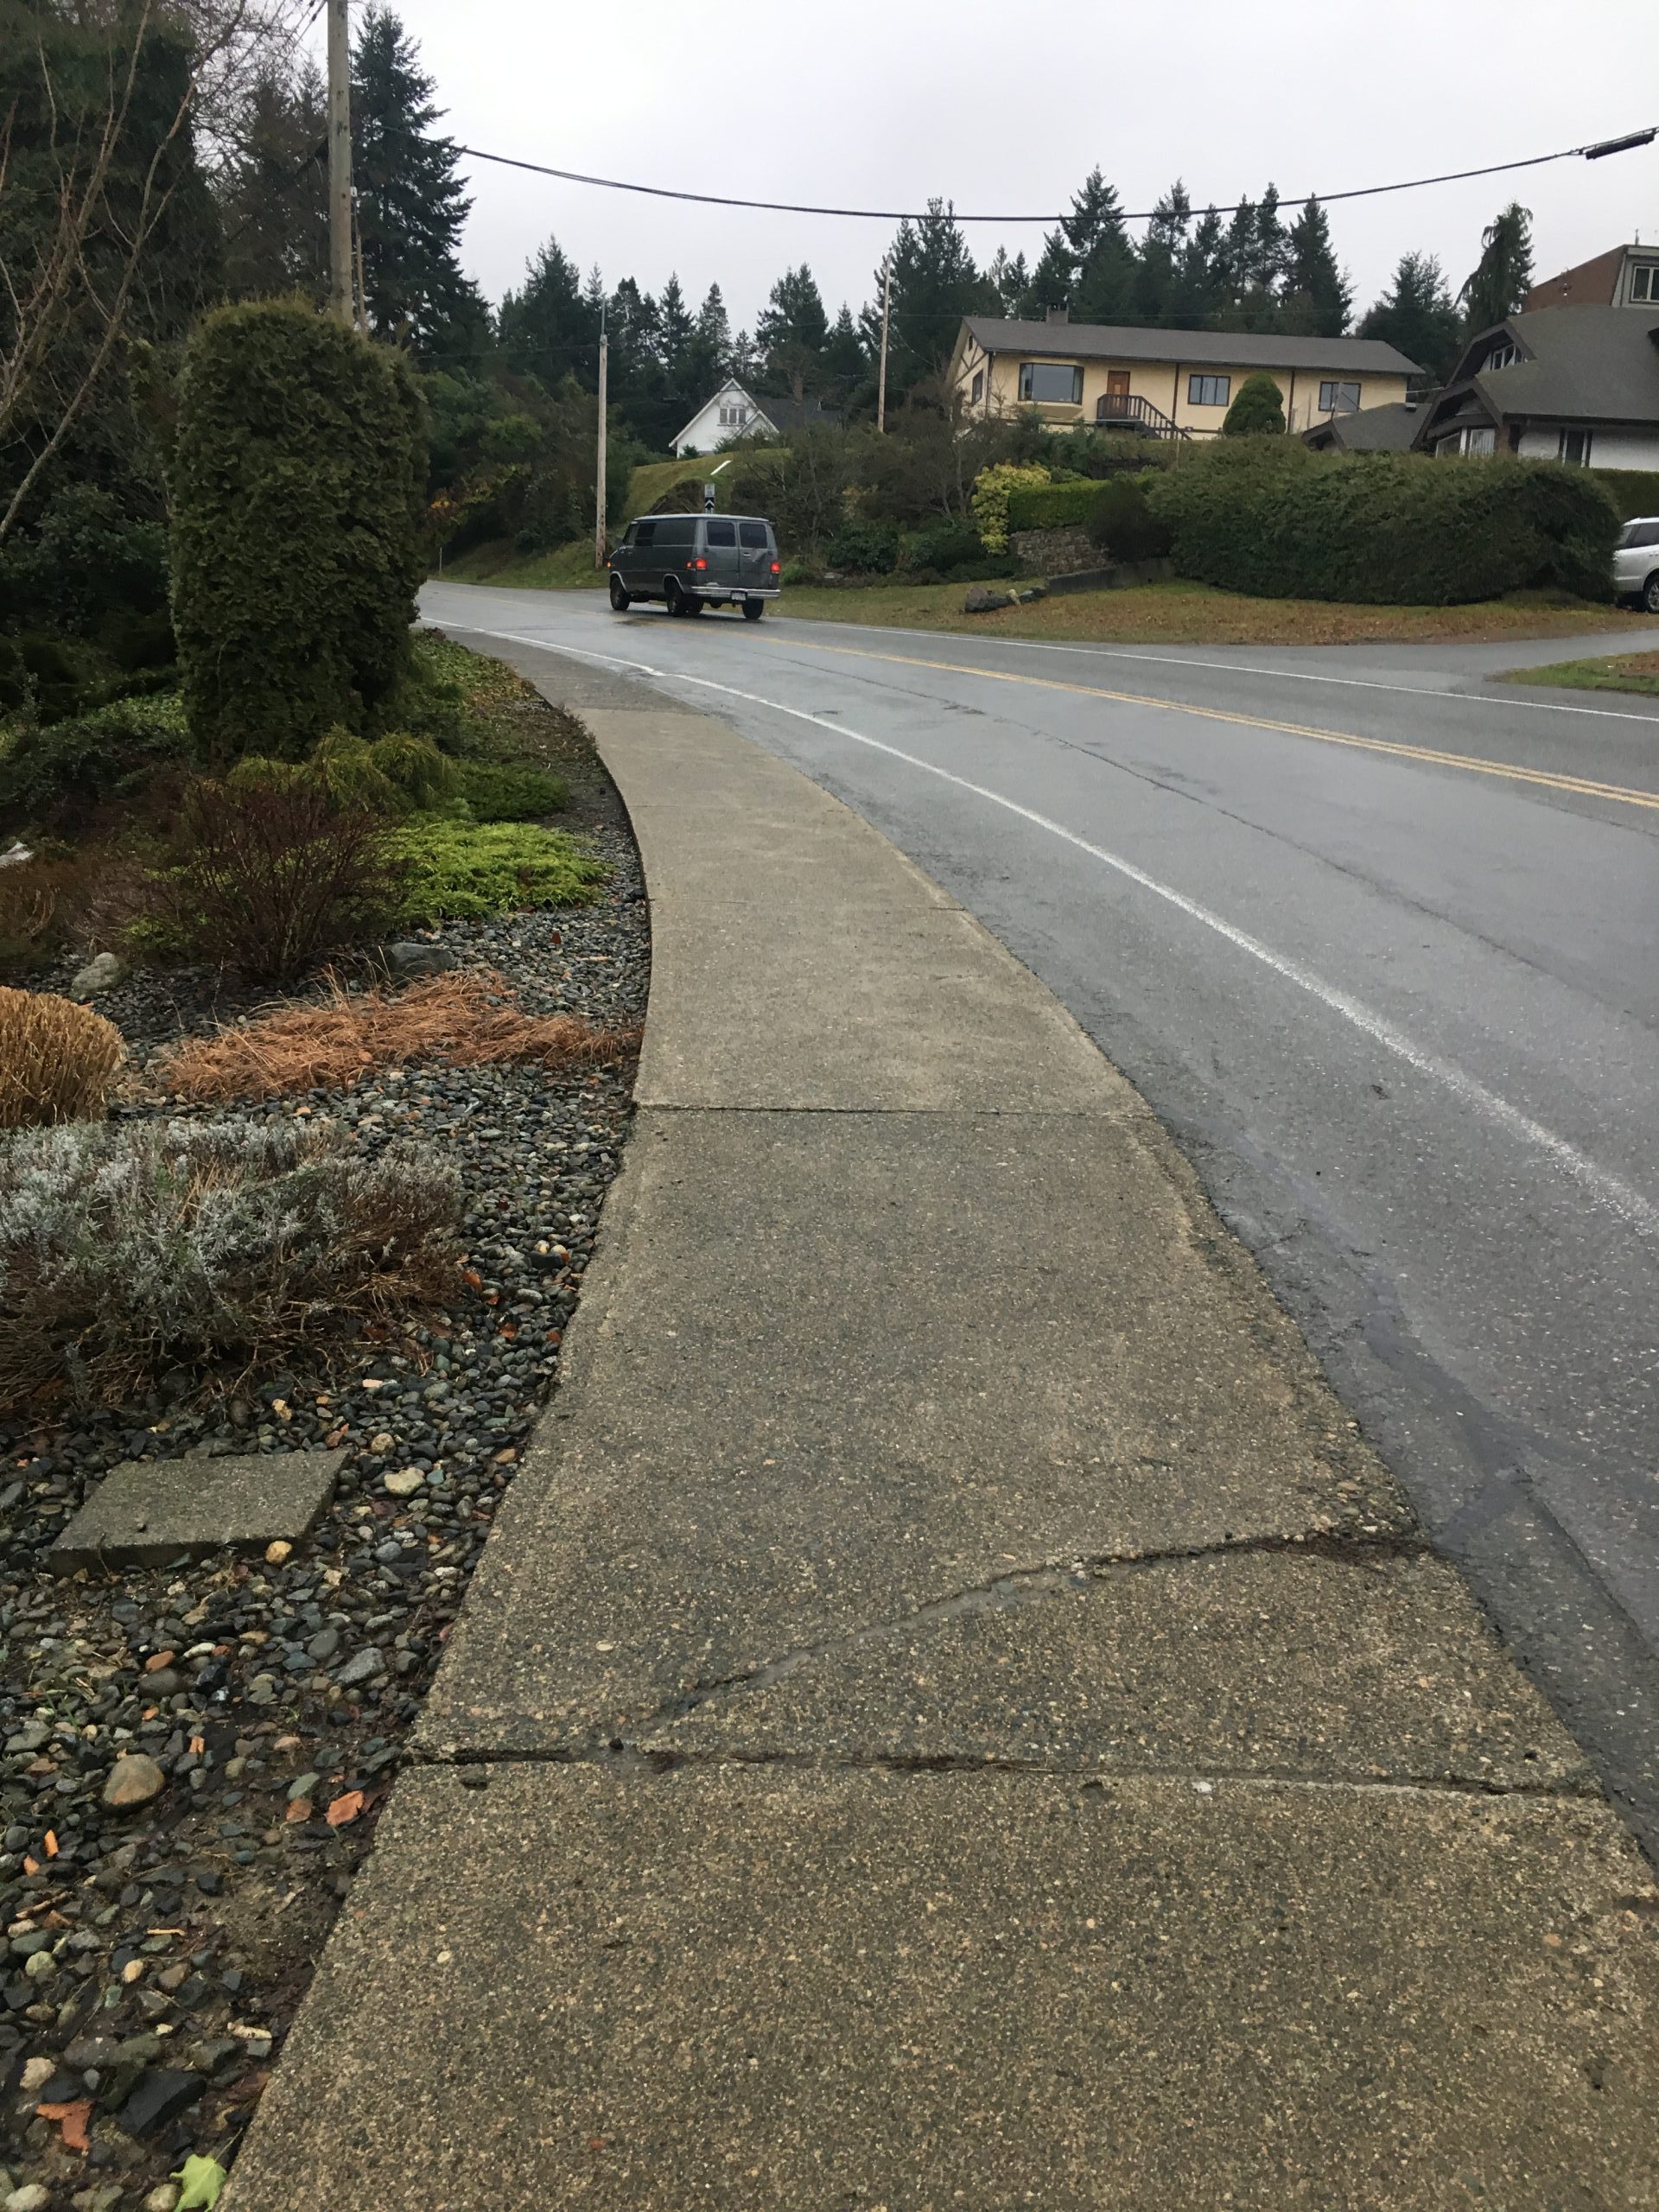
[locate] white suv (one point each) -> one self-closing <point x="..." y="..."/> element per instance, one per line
<point x="1636" y="561"/>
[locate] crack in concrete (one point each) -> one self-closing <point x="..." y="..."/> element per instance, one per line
<point x="626" y="1756"/>
<point x="1026" y="1585"/>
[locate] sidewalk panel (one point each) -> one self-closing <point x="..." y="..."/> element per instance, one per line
<point x="753" y="1988"/>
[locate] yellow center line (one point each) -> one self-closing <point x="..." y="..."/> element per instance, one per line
<point x="1582" y="786"/>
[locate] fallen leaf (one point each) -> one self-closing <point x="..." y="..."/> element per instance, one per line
<point x="198" y="1745"/>
<point x="51" y="1844"/>
<point x="300" y="1810"/>
<point x="200" y="2180"/>
<point x="31" y="1865"/>
<point x="345" y="1809"/>
<point x="72" y="2118"/>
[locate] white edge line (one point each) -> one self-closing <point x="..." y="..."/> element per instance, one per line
<point x="1617" y="1196"/>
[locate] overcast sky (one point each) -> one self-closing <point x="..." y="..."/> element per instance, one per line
<point x="1003" y="108"/>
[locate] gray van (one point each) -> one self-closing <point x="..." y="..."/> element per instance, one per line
<point x="691" y="562"/>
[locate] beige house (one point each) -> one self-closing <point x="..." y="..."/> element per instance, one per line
<point x="1164" y="382"/>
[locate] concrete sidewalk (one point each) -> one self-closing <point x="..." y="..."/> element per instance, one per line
<point x="963" y="1719"/>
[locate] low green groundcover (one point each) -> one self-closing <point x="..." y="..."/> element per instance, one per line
<point x="467" y="871"/>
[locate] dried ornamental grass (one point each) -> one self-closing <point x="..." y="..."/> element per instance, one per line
<point x="56" y="1059"/>
<point x="131" y="1249"/>
<point x="462" y="1021"/>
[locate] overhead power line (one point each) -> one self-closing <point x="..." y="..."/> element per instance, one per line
<point x="1594" y="152"/>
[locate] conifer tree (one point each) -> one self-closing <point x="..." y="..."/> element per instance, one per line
<point x="411" y="203"/>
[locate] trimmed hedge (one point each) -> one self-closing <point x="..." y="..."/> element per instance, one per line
<point x="1053" y="506"/>
<point x="1632" y="490"/>
<point x="1268" y="516"/>
<point x="299" y="468"/>
<point x="1121" y="522"/>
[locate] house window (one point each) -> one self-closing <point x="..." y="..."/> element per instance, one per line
<point x="1339" y="399"/>
<point x="1502" y="356"/>
<point x="734" y="418"/>
<point x="1575" y="448"/>
<point x="1055" y="383"/>
<point x="1480" y="440"/>
<point x="1208" y="391"/>
<point x="1644" y="281"/>
<point x="979" y="385"/>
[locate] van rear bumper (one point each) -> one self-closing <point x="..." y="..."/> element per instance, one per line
<point x="718" y="593"/>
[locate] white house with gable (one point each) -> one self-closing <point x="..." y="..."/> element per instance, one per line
<point x="732" y="413"/>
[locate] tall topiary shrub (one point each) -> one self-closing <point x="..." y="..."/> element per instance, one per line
<point x="1259" y="407"/>
<point x="298" y="473"/>
<point x="1122" y="524"/>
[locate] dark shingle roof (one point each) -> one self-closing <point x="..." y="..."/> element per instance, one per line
<point x="1369" y="430"/>
<point x="1588" y="364"/>
<point x="1238" y="349"/>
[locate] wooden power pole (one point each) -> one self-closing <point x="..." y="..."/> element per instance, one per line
<point x="887" y="310"/>
<point x="339" y="165"/>
<point x="598" y="509"/>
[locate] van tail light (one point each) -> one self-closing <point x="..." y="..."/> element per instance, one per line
<point x="701" y="564"/>
<point x="774" y="568"/>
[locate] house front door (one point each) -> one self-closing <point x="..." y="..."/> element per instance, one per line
<point x="1115" y="405"/>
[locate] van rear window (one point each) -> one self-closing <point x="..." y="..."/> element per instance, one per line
<point x="722" y="533"/>
<point x="753" y="533"/>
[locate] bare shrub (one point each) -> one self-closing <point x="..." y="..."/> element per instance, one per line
<point x="462" y="1021"/>
<point x="56" y="1059"/>
<point x="272" y="875"/>
<point x="129" y="1249"/>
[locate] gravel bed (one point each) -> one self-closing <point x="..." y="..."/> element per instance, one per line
<point x="155" y="1956"/>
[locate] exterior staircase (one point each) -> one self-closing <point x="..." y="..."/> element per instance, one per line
<point x="1126" y="411"/>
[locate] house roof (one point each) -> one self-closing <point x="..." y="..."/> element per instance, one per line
<point x="1598" y="363"/>
<point x="785" y="413"/>
<point x="1237" y="349"/>
<point x="1369" y="430"/>
<point x="730" y="384"/>
<point x="772" y="411"/>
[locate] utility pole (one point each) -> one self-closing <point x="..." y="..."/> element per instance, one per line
<point x="887" y="310"/>
<point x="339" y="165"/>
<point x="599" y="511"/>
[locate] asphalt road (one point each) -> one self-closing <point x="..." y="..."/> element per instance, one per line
<point x="1381" y="943"/>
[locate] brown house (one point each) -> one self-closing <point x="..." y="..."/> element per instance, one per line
<point x="1625" y="276"/>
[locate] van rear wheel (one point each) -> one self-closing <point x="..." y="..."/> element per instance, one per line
<point x="618" y="594"/>
<point x="753" y="609"/>
<point x="674" y="596"/>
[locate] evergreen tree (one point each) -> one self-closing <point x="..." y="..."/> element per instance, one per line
<point x="705" y="357"/>
<point x="274" y="191"/>
<point x="682" y="391"/>
<point x="1502" y="278"/>
<point x="1417" y="315"/>
<point x="1158" y="279"/>
<point x="1317" y="299"/>
<point x="1010" y="280"/>
<point x="934" y="283"/>
<point x="791" y="331"/>
<point x="1202" y="290"/>
<point x="845" y="362"/>
<point x="411" y="203"/>
<point x="1102" y="259"/>
<point x="549" y="328"/>
<point x="1051" y="280"/>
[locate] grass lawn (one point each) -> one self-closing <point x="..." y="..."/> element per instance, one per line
<point x="1197" y="614"/>
<point x="567" y="567"/>
<point x="1618" y="672"/>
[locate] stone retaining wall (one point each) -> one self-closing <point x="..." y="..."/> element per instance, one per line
<point x="1054" y="552"/>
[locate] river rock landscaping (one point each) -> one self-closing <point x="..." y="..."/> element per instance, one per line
<point x="194" y="1756"/>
